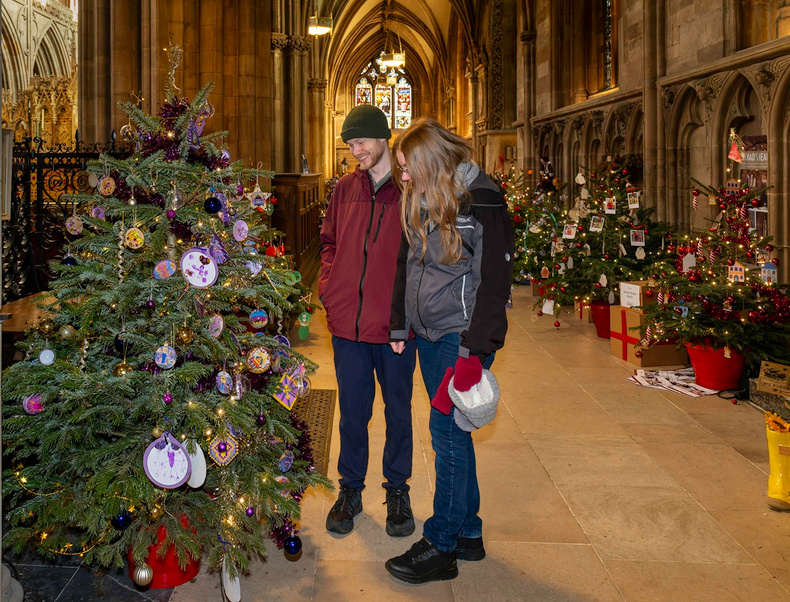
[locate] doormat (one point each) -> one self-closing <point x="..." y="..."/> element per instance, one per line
<point x="317" y="410"/>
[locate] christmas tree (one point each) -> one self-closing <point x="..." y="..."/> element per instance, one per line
<point x="721" y="286"/>
<point x="164" y="346"/>
<point x="609" y="237"/>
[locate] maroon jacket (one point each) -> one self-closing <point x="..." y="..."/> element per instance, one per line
<point x="361" y="236"/>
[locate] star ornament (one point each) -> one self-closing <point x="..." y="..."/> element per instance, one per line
<point x="288" y="392"/>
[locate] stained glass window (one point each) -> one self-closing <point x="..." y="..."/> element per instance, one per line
<point x="393" y="92"/>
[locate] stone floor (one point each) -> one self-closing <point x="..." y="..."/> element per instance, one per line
<point x="592" y="489"/>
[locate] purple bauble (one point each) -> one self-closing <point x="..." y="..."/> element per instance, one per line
<point x="239" y="189"/>
<point x="222" y="447"/>
<point x="260" y="420"/>
<point x="167" y="398"/>
<point x="150" y="304"/>
<point x="250" y="511"/>
<point x="171" y="214"/>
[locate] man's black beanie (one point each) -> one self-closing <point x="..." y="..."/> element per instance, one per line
<point x="365" y="121"/>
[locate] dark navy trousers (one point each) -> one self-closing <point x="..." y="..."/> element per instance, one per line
<point x="355" y="366"/>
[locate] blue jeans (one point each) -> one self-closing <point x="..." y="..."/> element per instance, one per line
<point x="457" y="498"/>
<point x="355" y="365"/>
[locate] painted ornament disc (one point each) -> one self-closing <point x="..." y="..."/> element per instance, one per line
<point x="165" y="269"/>
<point x="74" y="225"/>
<point x="258" y="360"/>
<point x="165" y="357"/>
<point x="167" y="463"/>
<point x="134" y="238"/>
<point x="199" y="268"/>
<point x="106" y="186"/>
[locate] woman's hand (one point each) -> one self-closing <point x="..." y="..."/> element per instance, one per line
<point x="398" y="346"/>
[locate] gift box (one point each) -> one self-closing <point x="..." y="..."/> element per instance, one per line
<point x="636" y="293"/>
<point x="536" y="288"/>
<point x="582" y="311"/>
<point x="625" y="342"/>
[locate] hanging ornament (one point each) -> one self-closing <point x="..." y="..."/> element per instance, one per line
<point x="197" y="475"/>
<point x="69" y="259"/>
<point x="106" y="186"/>
<point x="97" y="212"/>
<point x="186" y="335"/>
<point x="288" y="392"/>
<point x="261" y="420"/>
<point x="74" y="225"/>
<point x="304" y="332"/>
<point x="217" y="250"/>
<point x="199" y="268"/>
<point x="258" y="360"/>
<point x="259" y="318"/>
<point x="134" y="238"/>
<point x="231" y="586"/>
<point x="286" y="461"/>
<point x="46" y="327"/>
<point x="122" y="369"/>
<point x="212" y="205"/>
<point x="223" y="449"/>
<point x="122" y="521"/>
<point x="660" y="297"/>
<point x="47" y="357"/>
<point x="240" y="230"/>
<point x="241" y="385"/>
<point x="32" y="404"/>
<point x="695" y="198"/>
<point x="121" y="343"/>
<point x="215" y="325"/>
<point x="67" y="332"/>
<point x="224" y="382"/>
<point x="250" y="511"/>
<point x="165" y="269"/>
<point x="143" y="575"/>
<point x="166" y="462"/>
<point x="150" y="303"/>
<point x="165" y="357"/>
<point x="292" y="545"/>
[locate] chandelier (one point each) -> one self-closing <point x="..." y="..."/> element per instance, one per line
<point x="390" y="58"/>
<point x="318" y="26"/>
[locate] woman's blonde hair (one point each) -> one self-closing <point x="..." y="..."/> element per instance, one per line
<point x="432" y="154"/>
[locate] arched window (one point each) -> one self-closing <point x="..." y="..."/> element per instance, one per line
<point x="392" y="89"/>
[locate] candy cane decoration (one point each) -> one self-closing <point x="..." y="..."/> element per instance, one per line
<point x="660" y="297"/>
<point x="695" y="198"/>
<point x="83" y="354"/>
<point x="742" y="211"/>
<point x="648" y="333"/>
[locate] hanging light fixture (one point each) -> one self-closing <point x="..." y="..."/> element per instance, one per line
<point x="391" y="59"/>
<point x="318" y="26"/>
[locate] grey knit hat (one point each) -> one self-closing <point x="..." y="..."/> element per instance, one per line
<point x="477" y="406"/>
<point x="365" y="121"/>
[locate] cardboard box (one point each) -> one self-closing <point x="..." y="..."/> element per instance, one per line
<point x="636" y="293"/>
<point x="774" y="378"/>
<point x="582" y="311"/>
<point x="769" y="402"/>
<point x="624" y="341"/>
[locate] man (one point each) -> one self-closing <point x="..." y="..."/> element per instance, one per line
<point x="361" y="236"/>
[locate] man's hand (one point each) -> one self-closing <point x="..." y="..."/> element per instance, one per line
<point x="398" y="346"/>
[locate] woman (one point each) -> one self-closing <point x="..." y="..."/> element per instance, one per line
<point x="454" y="273"/>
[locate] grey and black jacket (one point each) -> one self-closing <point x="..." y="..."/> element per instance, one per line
<point x="469" y="297"/>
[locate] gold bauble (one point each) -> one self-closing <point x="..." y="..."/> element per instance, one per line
<point x="143" y="575"/>
<point x="67" y="332"/>
<point x="186" y="335"/>
<point x="47" y="327"/>
<point x="122" y="369"/>
<point x="156" y="511"/>
<point x="157" y="432"/>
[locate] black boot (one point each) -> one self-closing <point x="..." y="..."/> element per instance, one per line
<point x="347" y="506"/>
<point x="423" y="563"/>
<point x="400" y="520"/>
<point x="470" y="548"/>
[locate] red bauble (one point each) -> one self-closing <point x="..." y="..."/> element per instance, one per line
<point x="775" y="261"/>
<point x="624" y="172"/>
<point x="557" y="266"/>
<point x="556" y="323"/>
<point x="606" y="256"/>
<point x="695" y="192"/>
<point x="565" y="258"/>
<point x="617" y="180"/>
<point x="671" y="248"/>
<point x="722" y="206"/>
<point x="540" y="313"/>
<point x="563" y="289"/>
<point x="730" y="261"/>
<point x="601" y="187"/>
<point x="516" y="208"/>
<point x="578" y="245"/>
<point x="271" y="251"/>
<point x="638" y="353"/>
<point x="749" y="254"/>
<point x="769" y="248"/>
<point x="598" y="285"/>
<point x="755" y="202"/>
<point x="592" y="174"/>
<point x="281" y="250"/>
<point x="649" y="292"/>
<point x="580" y="228"/>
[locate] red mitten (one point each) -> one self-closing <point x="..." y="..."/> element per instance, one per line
<point x="468" y="372"/>
<point x="441" y="401"/>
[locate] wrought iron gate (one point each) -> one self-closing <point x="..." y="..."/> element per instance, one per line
<point x="35" y="234"/>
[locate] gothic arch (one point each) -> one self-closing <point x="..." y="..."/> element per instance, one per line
<point x="731" y="110"/>
<point x="14" y="70"/>
<point x="778" y="129"/>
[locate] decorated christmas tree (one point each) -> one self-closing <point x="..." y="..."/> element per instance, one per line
<point x="609" y="237"/>
<point x="156" y="399"/>
<point x="720" y="287"/>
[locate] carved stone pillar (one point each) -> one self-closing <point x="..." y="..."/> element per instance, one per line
<point x="95" y="106"/>
<point x="578" y="59"/>
<point x="297" y="94"/>
<point x="279" y="44"/>
<point x="652" y="110"/>
<point x="526" y="141"/>
<point x="316" y="91"/>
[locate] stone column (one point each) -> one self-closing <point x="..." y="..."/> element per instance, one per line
<point x="330" y="158"/>
<point x="651" y="107"/>
<point x="526" y="142"/>
<point x="94" y="74"/>
<point x="298" y="109"/>
<point x="279" y="44"/>
<point x="316" y="89"/>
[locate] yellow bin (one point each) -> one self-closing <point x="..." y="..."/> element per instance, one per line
<point x="779" y="461"/>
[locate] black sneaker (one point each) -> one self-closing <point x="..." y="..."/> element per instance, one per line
<point x="400" y="520"/>
<point x="470" y="548"/>
<point x="423" y="563"/>
<point x="347" y="506"/>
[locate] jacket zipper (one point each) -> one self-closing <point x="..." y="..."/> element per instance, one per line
<point x="378" y="226"/>
<point x="364" y="265"/>
<point x="419" y="314"/>
<point x="463" y="296"/>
